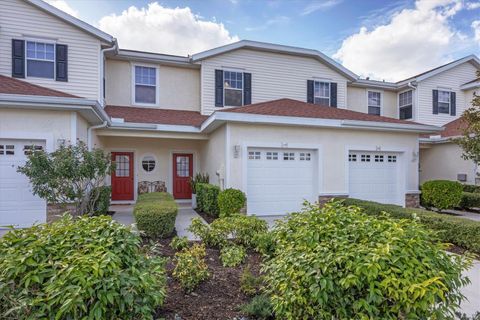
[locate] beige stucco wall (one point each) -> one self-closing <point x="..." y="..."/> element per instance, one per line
<point x="443" y="161"/>
<point x="334" y="145"/>
<point x="82" y="128"/>
<point x="36" y="124"/>
<point x="161" y="149"/>
<point x="213" y="156"/>
<point x="357" y="100"/>
<point x="179" y="88"/>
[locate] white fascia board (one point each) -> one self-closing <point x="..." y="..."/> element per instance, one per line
<point x="364" y="83"/>
<point x="470" y="85"/>
<point x="437" y="140"/>
<point x="154" y="57"/>
<point x="72" y="20"/>
<point x="154" y="127"/>
<point x="391" y="126"/>
<point x="275" y="48"/>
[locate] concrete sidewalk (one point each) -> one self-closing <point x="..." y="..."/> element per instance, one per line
<point x="472" y="291"/>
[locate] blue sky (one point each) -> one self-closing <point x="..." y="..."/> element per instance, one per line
<point x="372" y="37"/>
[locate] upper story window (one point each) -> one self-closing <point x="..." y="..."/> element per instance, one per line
<point x="145" y="85"/>
<point x="321" y="93"/>
<point x="233" y="88"/>
<point x="40" y="59"/>
<point x="405" y="104"/>
<point x="443" y="101"/>
<point x="374" y="102"/>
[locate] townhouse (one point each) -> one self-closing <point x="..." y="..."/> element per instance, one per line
<point x="281" y="123"/>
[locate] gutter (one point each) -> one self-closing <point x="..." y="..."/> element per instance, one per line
<point x="391" y="126"/>
<point x="102" y="71"/>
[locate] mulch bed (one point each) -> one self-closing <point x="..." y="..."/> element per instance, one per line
<point x="217" y="298"/>
<point x="208" y="218"/>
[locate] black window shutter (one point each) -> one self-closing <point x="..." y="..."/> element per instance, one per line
<point x="333" y="94"/>
<point x="247" y="88"/>
<point x="453" y="103"/>
<point x="218" y="88"/>
<point x="310" y="84"/>
<point x="61" y="57"/>
<point x="18" y="58"/>
<point x="435" y="101"/>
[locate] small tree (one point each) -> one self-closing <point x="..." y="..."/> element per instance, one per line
<point x="470" y="141"/>
<point x="71" y="174"/>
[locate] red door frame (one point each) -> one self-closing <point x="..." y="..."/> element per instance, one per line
<point x="181" y="185"/>
<point x="123" y="187"/>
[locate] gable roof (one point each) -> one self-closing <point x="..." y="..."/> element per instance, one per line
<point x="295" y="108"/>
<point x="429" y="73"/>
<point x="72" y="20"/>
<point x="10" y="85"/>
<point x="270" y="47"/>
<point x="157" y="116"/>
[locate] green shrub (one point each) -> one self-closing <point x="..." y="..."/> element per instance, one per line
<point x="179" y="243"/>
<point x="190" y="267"/>
<point x="459" y="231"/>
<point x="339" y="263"/>
<point x="100" y="207"/>
<point x="207" y="198"/>
<point x="264" y="244"/>
<point x="259" y="307"/>
<point x="87" y="268"/>
<point x="198" y="178"/>
<point x="231" y="201"/>
<point x="155" y="214"/>
<point x="232" y="255"/>
<point x="249" y="283"/>
<point x="471" y="188"/>
<point x="243" y="230"/>
<point x="470" y="200"/>
<point x="441" y="194"/>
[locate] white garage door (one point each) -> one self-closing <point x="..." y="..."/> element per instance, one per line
<point x="18" y="206"/>
<point x="279" y="180"/>
<point x="374" y="176"/>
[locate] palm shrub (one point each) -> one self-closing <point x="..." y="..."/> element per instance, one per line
<point x="441" y="194"/>
<point x="85" y="268"/>
<point x="336" y="262"/>
<point x="230" y="201"/>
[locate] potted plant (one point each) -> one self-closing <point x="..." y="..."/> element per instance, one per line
<point x="199" y="178"/>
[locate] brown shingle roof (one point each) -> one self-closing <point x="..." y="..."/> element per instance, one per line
<point x="159" y="116"/>
<point x="295" y="108"/>
<point x="10" y="85"/>
<point x="454" y="128"/>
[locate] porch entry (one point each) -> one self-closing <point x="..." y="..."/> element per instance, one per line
<point x="122" y="177"/>
<point x="182" y="172"/>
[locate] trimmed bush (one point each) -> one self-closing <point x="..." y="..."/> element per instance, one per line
<point x="441" y="194"/>
<point x="470" y="200"/>
<point x="103" y="202"/>
<point x="231" y="201"/>
<point x="471" y="188"/>
<point x="85" y="268"/>
<point x="207" y="198"/>
<point x="459" y="231"/>
<point x="232" y="255"/>
<point x="190" y="267"/>
<point x="155" y="214"/>
<point x="339" y="263"/>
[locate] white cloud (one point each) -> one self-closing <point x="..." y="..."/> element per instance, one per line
<point x="165" y="30"/>
<point x="473" y="5"/>
<point x="476" y="30"/>
<point x="322" y="5"/>
<point x="270" y="22"/>
<point x="411" y="41"/>
<point x="64" y="6"/>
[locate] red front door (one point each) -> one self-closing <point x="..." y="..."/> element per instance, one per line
<point x="122" y="177"/>
<point x="182" y="172"/>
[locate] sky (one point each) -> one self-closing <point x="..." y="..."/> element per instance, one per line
<point x="383" y="40"/>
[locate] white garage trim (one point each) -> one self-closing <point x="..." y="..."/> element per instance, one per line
<point x="22" y="135"/>
<point x="402" y="161"/>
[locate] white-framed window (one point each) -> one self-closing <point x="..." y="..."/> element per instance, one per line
<point x="7" y="150"/>
<point x="405" y="104"/>
<point x="29" y="149"/>
<point x="352" y="157"/>
<point x="272" y="156"/>
<point x="392" y="158"/>
<point x="378" y="158"/>
<point x="289" y="156"/>
<point x="254" y="155"/>
<point x="365" y="158"/>
<point x="374" y="102"/>
<point x="444" y="101"/>
<point x="232" y="88"/>
<point x="40" y="59"/>
<point x="305" y="156"/>
<point x="148" y="163"/>
<point x="321" y="93"/>
<point x="145" y="85"/>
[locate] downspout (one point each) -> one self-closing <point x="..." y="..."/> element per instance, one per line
<point x="101" y="99"/>
<point x="89" y="133"/>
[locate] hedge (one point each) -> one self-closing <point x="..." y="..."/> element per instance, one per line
<point x="471" y="188"/>
<point x="207" y="198"/>
<point x="458" y="231"/>
<point x="470" y="200"/>
<point x="441" y="194"/>
<point x="231" y="201"/>
<point x="155" y="214"/>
